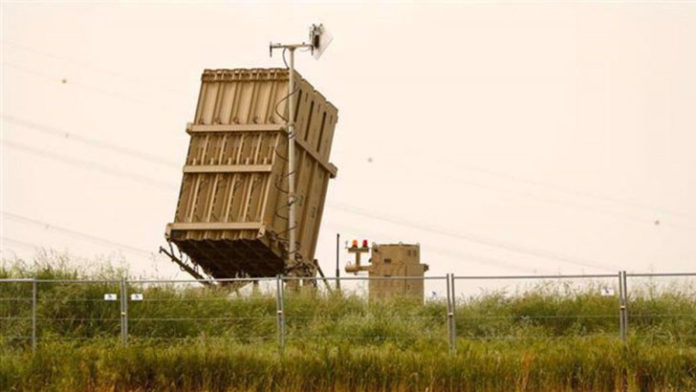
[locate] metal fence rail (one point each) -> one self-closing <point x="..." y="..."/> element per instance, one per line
<point x="281" y="309"/>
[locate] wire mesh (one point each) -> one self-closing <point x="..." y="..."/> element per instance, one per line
<point x="241" y="310"/>
<point x="77" y="310"/>
<point x="550" y="307"/>
<point x="661" y="309"/>
<point x="353" y="315"/>
<point x="16" y="312"/>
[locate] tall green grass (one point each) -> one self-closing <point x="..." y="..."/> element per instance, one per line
<point x="575" y="364"/>
<point x="546" y="338"/>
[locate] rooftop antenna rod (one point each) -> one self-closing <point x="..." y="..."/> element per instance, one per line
<point x="319" y="39"/>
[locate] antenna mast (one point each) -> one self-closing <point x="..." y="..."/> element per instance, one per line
<point x="319" y="39"/>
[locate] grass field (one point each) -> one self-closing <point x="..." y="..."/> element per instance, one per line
<point x="548" y="338"/>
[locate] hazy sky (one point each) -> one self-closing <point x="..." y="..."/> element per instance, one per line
<point x="505" y="138"/>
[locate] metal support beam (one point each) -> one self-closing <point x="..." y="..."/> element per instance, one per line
<point x="34" y="294"/>
<point x="228" y="168"/>
<point x="333" y="170"/>
<point x="453" y="297"/>
<point x="292" y="211"/>
<point x="228" y="128"/>
<point x="124" y="312"/>
<point x="338" y="270"/>
<point x="321" y="273"/>
<point x="625" y="313"/>
<point x="451" y="338"/>
<point x="623" y="323"/>
<point x="280" y="312"/>
<point x="215" y="226"/>
<point x="185" y="266"/>
<point x="292" y="141"/>
<point x="623" y="307"/>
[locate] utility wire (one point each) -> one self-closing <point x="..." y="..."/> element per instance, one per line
<point x="465" y="236"/>
<point x="139" y="81"/>
<point x="90" y="165"/>
<point x="462" y="256"/>
<point x="20" y="243"/>
<point x="596" y="196"/>
<point x="471" y="237"/>
<point x="149" y="104"/>
<point x="161" y="161"/>
<point x="579" y="206"/>
<point x="77" y="234"/>
<point x="581" y="193"/>
<point x="45" y="129"/>
<point x="507" y="176"/>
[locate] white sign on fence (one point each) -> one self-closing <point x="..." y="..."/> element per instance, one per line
<point x="136" y="297"/>
<point x="110" y="297"/>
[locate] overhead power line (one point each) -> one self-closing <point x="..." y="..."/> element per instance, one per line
<point x="78" y="234"/>
<point x="90" y="165"/>
<point x="461" y="256"/>
<point x="139" y="81"/>
<point x="506" y="176"/>
<point x="151" y="104"/>
<point x="97" y="143"/>
<point x="556" y="187"/>
<point x="92" y="142"/>
<point x="581" y="193"/>
<point x="18" y="242"/>
<point x="580" y="207"/>
<point x="465" y="236"/>
<point x="478" y="239"/>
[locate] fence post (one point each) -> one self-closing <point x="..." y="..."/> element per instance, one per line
<point x="454" y="312"/>
<point x="625" y="290"/>
<point x="338" y="270"/>
<point x="34" y="294"/>
<point x="124" y="312"/>
<point x="280" y="312"/>
<point x="623" y="322"/>
<point x="622" y="307"/>
<point x="450" y="315"/>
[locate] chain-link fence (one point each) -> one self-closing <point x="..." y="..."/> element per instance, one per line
<point x="285" y="310"/>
